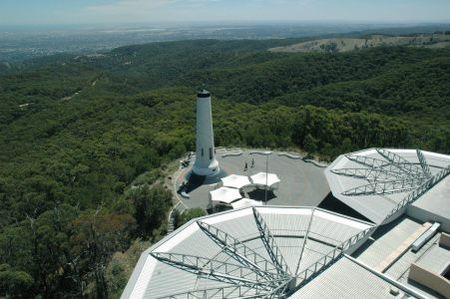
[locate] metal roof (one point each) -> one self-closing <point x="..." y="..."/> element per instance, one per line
<point x="436" y="259"/>
<point x="346" y="279"/>
<point x="388" y="239"/>
<point x="375" y="181"/>
<point x="436" y="202"/>
<point x="400" y="269"/>
<point x="247" y="252"/>
<point x="437" y="199"/>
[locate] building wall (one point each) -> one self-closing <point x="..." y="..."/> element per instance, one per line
<point x="425" y="216"/>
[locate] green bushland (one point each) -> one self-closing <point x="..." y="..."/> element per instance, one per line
<point x="77" y="133"/>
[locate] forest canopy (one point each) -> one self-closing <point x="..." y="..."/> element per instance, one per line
<point x="76" y="133"/>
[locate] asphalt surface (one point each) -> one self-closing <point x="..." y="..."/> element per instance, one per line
<point x="302" y="183"/>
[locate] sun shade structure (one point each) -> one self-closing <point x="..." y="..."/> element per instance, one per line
<point x="270" y="181"/>
<point x="236" y="181"/>
<point x="225" y="195"/>
<point x="245" y="203"/>
<point x="379" y="182"/>
<point x="263" y="252"/>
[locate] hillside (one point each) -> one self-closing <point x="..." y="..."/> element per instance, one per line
<point x="345" y="44"/>
<point x="76" y="132"/>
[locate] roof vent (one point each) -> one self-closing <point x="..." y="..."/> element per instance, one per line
<point x="394" y="291"/>
<point x="425" y="237"/>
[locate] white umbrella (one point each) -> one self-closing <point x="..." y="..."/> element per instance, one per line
<point x="236" y="181"/>
<point x="245" y="202"/>
<point x="265" y="179"/>
<point x="225" y="195"/>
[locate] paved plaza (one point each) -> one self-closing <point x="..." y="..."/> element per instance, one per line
<point x="302" y="183"/>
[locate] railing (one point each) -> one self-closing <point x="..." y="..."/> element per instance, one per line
<point x="317" y="266"/>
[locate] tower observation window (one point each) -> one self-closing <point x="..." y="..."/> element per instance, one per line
<point x="210" y="154"/>
<point x="202" y="152"/>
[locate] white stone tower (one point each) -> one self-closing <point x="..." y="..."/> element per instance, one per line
<point x="205" y="158"/>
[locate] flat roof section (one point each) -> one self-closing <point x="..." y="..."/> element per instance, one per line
<point x="387" y="239"/>
<point x="434" y="205"/>
<point x="436" y="260"/>
<point x="345" y="279"/>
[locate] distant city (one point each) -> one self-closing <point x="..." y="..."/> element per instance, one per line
<point x="19" y="43"/>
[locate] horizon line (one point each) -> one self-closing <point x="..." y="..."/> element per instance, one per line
<point x="218" y="22"/>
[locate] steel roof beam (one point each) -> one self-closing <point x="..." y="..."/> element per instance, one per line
<point x="232" y="292"/>
<point x="367" y="161"/>
<point x="280" y="292"/>
<point x="423" y="163"/>
<point x="330" y="257"/>
<point x="304" y="241"/>
<point x="269" y="242"/>
<point x="207" y="264"/>
<point x="388" y="187"/>
<point x="371" y="174"/>
<point x="392" y="163"/>
<point x="361" y="173"/>
<point x="399" y="161"/>
<point x="232" y="274"/>
<point x="240" y="252"/>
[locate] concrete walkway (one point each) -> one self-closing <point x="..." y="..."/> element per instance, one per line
<point x="302" y="184"/>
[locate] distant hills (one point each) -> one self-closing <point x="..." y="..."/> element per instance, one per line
<point x="345" y="44"/>
<point x="20" y="43"/>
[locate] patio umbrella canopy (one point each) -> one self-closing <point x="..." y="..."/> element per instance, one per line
<point x="236" y="181"/>
<point x="261" y="180"/>
<point x="225" y="195"/>
<point x="245" y="202"/>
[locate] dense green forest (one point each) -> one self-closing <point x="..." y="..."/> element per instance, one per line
<point x="76" y="132"/>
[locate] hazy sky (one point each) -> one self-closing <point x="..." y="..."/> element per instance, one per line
<point x="132" y="11"/>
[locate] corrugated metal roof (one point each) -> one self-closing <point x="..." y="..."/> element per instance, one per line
<point x="345" y="279"/>
<point x="401" y="267"/>
<point x="388" y="239"/>
<point x="426" y="257"/>
<point x="287" y="225"/>
<point x="313" y="251"/>
<point x="436" y="200"/>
